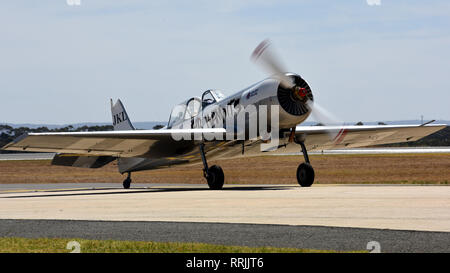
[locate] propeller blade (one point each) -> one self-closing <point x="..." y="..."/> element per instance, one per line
<point x="265" y="55"/>
<point x="321" y="115"/>
<point x="324" y="117"/>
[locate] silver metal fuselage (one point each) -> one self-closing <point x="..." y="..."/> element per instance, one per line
<point x="263" y="93"/>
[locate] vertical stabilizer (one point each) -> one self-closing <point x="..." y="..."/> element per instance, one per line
<point x="120" y="117"/>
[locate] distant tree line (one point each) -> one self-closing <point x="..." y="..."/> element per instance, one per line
<point x="8" y="133"/>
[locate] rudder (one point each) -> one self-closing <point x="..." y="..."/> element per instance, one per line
<point x="120" y="117"/>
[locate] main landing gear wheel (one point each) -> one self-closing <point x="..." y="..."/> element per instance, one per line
<point x="305" y="172"/>
<point x="215" y="177"/>
<point x="305" y="175"/>
<point x="127" y="182"/>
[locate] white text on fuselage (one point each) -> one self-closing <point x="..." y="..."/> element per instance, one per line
<point x="240" y="123"/>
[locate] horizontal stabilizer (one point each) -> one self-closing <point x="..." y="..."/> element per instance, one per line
<point x="81" y="161"/>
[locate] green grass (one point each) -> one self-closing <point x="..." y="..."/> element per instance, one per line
<point x="58" y="245"/>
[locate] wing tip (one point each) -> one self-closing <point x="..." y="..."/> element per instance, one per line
<point x="20" y="138"/>
<point x="15" y="141"/>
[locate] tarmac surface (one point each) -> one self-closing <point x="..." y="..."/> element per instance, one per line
<point x="253" y="235"/>
<point x="425" y="208"/>
<point x="402" y="218"/>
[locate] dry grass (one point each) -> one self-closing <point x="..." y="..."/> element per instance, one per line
<point x="58" y="245"/>
<point x="399" y="168"/>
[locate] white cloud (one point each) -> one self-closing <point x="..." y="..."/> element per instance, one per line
<point x="373" y="2"/>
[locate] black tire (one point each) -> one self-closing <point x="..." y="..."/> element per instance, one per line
<point x="305" y="175"/>
<point x="127" y="183"/>
<point x="215" y="178"/>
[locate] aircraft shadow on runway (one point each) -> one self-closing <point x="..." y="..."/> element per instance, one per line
<point x="101" y="191"/>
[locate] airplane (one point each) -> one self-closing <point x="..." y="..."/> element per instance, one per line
<point x="197" y="132"/>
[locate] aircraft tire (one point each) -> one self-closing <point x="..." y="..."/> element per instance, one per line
<point x="127" y="183"/>
<point x="305" y="175"/>
<point x="215" y="178"/>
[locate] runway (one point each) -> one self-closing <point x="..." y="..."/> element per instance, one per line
<point x="338" y="213"/>
<point x="27" y="156"/>
<point x="305" y="237"/>
<point x="424" y="208"/>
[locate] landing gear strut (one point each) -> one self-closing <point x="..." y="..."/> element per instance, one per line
<point x="305" y="172"/>
<point x="127" y="181"/>
<point x="214" y="175"/>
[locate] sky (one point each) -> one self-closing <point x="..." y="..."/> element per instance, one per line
<point x="369" y="60"/>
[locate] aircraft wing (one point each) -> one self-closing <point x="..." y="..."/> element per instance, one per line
<point x="129" y="143"/>
<point x="166" y="143"/>
<point x="340" y="137"/>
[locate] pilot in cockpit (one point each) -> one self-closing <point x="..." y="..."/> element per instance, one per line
<point x="210" y="97"/>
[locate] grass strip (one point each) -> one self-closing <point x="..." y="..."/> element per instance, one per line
<point x="60" y="245"/>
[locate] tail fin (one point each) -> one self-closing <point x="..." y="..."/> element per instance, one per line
<point x="120" y="117"/>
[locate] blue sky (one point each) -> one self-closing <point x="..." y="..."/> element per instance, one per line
<point x="61" y="63"/>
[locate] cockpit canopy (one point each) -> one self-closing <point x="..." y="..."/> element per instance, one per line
<point x="184" y="111"/>
<point x="193" y="106"/>
<point x="210" y="97"/>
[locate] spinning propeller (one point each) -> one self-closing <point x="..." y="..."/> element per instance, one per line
<point x="265" y="56"/>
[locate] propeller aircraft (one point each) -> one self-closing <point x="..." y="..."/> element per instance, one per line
<point x="261" y="119"/>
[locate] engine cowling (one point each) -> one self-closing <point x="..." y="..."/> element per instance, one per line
<point x="293" y="100"/>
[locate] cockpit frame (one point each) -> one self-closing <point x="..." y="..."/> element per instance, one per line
<point x="215" y="96"/>
<point x="185" y="110"/>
